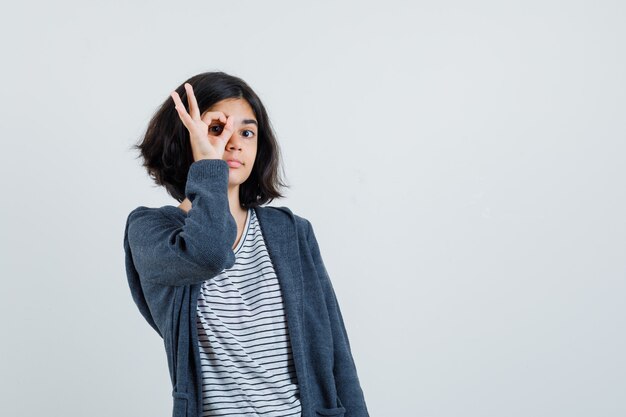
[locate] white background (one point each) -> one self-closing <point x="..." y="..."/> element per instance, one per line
<point x="463" y="164"/>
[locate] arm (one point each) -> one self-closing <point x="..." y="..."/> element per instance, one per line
<point x="347" y="381"/>
<point x="168" y="254"/>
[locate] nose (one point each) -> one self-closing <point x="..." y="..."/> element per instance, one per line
<point x="233" y="142"/>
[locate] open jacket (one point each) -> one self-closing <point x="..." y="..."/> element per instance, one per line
<point x="169" y="253"/>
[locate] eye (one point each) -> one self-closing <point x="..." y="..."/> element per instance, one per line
<point x="251" y="135"/>
<point x="215" y="131"/>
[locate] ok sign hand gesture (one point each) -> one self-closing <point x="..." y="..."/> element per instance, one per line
<point x="203" y="145"/>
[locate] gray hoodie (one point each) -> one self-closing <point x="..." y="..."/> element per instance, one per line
<point x="169" y="253"/>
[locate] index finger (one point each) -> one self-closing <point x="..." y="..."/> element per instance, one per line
<point x="209" y="116"/>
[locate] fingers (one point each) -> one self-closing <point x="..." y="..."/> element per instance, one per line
<point x="190" y="120"/>
<point x="209" y="116"/>
<point x="193" y="104"/>
<point x="180" y="108"/>
<point x="228" y="128"/>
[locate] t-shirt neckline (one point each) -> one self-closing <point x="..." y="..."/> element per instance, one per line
<point x="244" y="235"/>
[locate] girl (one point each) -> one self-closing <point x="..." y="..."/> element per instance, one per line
<point x="237" y="290"/>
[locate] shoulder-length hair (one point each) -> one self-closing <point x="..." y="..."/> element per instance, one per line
<point x="166" y="148"/>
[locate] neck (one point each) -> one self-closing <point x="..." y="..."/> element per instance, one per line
<point x="233" y="201"/>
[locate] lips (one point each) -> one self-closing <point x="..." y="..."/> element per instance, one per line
<point x="234" y="163"/>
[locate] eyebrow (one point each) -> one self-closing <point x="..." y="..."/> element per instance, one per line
<point x="249" y="122"/>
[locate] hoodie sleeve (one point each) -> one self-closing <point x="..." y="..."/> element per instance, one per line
<point x="346" y="379"/>
<point x="169" y="254"/>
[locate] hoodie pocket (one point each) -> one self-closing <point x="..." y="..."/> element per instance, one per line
<point x="181" y="400"/>
<point x="173" y="338"/>
<point x="338" y="411"/>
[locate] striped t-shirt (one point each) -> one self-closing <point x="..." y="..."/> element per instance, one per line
<point x="245" y="352"/>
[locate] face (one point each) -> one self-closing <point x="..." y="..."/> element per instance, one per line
<point x="242" y="144"/>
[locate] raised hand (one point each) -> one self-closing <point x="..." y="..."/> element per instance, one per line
<point x="203" y="145"/>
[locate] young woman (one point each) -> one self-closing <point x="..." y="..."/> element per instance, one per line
<point x="237" y="290"/>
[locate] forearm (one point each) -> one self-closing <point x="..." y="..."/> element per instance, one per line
<point x="166" y="253"/>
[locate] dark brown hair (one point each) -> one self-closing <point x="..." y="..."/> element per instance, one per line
<point x="166" y="149"/>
